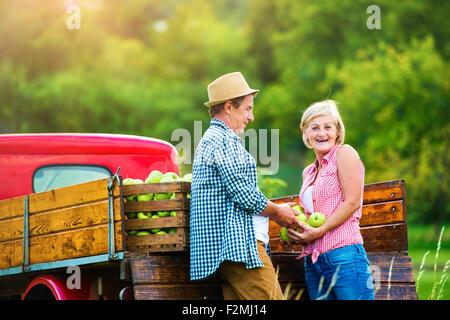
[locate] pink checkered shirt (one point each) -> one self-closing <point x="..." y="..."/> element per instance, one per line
<point x="327" y="196"/>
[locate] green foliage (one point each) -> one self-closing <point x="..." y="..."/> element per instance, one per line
<point x="142" y="67"/>
<point x="394" y="102"/>
<point x="271" y="187"/>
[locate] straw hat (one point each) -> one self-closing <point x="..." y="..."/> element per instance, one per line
<point x="227" y="87"/>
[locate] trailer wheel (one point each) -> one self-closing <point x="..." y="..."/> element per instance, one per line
<point x="40" y="292"/>
<point x="54" y="287"/>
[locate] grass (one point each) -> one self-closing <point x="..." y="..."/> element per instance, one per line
<point x="430" y="254"/>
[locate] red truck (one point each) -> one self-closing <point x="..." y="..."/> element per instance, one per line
<point x="67" y="242"/>
<point x="34" y="163"/>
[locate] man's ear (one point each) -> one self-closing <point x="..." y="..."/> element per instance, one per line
<point x="227" y="107"/>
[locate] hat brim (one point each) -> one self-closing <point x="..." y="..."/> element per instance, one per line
<point x="213" y="103"/>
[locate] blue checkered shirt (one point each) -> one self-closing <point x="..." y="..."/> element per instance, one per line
<point x="224" y="199"/>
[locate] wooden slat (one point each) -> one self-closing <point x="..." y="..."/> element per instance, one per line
<point x="401" y="271"/>
<point x="396" y="291"/>
<point x="384" y="191"/>
<point x="166" y="277"/>
<point x="157" y="239"/>
<point x="11" y="208"/>
<point x="384" y="213"/>
<point x="60" y="246"/>
<point x="161" y="269"/>
<point x="290" y="269"/>
<point x="385" y="238"/>
<point x="60" y="220"/>
<point x="184" y="291"/>
<point x="181" y="220"/>
<point x="83" y="193"/>
<point x="184" y="187"/>
<point x="159" y="205"/>
<point x="292" y="198"/>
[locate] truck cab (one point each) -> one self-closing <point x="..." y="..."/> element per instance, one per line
<point x="31" y="163"/>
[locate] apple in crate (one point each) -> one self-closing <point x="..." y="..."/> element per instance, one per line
<point x="154" y="177"/>
<point x="155" y="230"/>
<point x="165" y="196"/>
<point x="129" y="182"/>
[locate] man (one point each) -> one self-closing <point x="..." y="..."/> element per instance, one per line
<point x="229" y="217"/>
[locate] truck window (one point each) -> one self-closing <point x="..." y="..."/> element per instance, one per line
<point x="58" y="176"/>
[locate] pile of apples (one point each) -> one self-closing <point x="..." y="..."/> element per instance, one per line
<point x="315" y="220"/>
<point x="155" y="176"/>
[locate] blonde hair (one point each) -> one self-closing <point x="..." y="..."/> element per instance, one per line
<point x="323" y="108"/>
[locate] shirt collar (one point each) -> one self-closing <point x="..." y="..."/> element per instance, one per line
<point x="220" y="124"/>
<point x="326" y="158"/>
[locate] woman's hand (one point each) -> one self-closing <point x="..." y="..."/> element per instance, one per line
<point x="308" y="234"/>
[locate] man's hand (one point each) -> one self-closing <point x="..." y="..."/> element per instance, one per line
<point x="283" y="215"/>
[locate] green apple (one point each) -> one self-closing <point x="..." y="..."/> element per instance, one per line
<point x="165" y="196"/>
<point x="145" y="197"/>
<point x="284" y="236"/>
<point x="162" y="196"/>
<point x="173" y="213"/>
<point x="155" y="230"/>
<point x="131" y="215"/>
<point x="142" y="215"/>
<point x="188" y="177"/>
<point x="298" y="208"/>
<point x="161" y="232"/>
<point x="172" y="230"/>
<point x="168" y="178"/>
<point x="154" y="177"/>
<point x="129" y="182"/>
<point x="162" y="214"/>
<point x="173" y="175"/>
<point x="317" y="219"/>
<point x="302" y="218"/>
<point x="143" y="233"/>
<point x="132" y="232"/>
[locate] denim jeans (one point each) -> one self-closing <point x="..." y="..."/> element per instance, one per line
<point x="341" y="274"/>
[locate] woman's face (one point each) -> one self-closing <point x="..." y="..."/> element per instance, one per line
<point x="321" y="134"/>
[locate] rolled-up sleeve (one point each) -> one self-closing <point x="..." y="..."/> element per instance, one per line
<point x="233" y="163"/>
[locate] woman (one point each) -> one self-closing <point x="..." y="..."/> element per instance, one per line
<point x="332" y="185"/>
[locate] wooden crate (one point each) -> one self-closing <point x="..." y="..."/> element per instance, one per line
<point x="178" y="241"/>
<point x="64" y="223"/>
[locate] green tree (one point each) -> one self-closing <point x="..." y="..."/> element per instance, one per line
<point x="394" y="103"/>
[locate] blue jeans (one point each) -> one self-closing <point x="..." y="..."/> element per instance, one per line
<point x="341" y="274"/>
